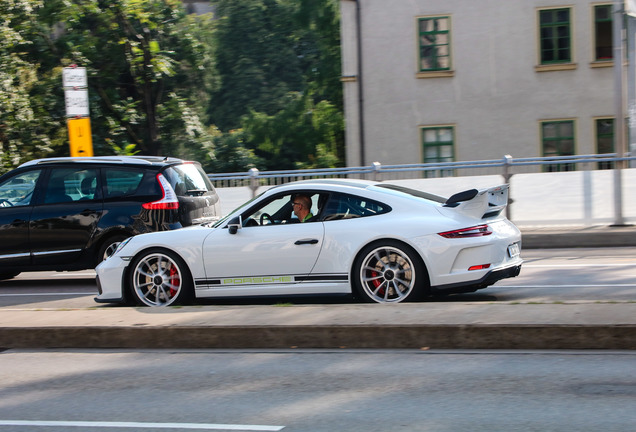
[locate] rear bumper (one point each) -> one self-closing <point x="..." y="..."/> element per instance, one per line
<point x="471" y="286"/>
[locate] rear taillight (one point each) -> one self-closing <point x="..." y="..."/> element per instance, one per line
<point x="476" y="231"/>
<point x="169" y="201"/>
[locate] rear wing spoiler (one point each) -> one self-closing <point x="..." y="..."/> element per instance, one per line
<point x="483" y="203"/>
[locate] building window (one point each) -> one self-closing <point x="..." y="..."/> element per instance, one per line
<point x="554" y="34"/>
<point x="437" y="147"/>
<point x="603" y="33"/>
<point x="557" y="139"/>
<point x="434" y="38"/>
<point x="605" y="140"/>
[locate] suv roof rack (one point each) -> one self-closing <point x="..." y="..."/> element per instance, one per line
<point x="139" y="160"/>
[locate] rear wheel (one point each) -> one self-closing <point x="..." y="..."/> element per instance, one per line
<point x="160" y="278"/>
<point x="389" y="272"/>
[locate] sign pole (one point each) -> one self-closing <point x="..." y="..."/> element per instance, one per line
<point x="77" y="112"/>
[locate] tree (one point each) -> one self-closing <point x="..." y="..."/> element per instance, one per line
<point x="278" y="64"/>
<point x="301" y="135"/>
<point x="27" y="128"/>
<point x="144" y="59"/>
<point x="256" y="63"/>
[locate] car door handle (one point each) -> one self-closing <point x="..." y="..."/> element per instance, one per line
<point x="88" y="212"/>
<point x="306" y="241"/>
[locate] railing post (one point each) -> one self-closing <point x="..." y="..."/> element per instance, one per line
<point x="253" y="172"/>
<point x="506" y="175"/>
<point x="376" y="167"/>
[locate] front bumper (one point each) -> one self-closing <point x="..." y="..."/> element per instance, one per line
<point x="110" y="280"/>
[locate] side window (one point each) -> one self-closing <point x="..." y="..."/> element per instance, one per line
<point x="71" y="184"/>
<point x="18" y="190"/>
<point x="341" y="206"/>
<point x="120" y="182"/>
<point x="286" y="209"/>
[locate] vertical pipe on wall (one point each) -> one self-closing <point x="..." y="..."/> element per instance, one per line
<point x="619" y="101"/>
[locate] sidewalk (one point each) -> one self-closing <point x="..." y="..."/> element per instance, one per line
<point x="427" y="325"/>
<point x="415" y="326"/>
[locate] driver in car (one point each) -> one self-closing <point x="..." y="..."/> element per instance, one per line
<point x="302" y="207"/>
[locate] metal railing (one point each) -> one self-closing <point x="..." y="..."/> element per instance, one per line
<point x="506" y="167"/>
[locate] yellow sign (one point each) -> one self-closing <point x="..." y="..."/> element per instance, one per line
<point x="79" y="134"/>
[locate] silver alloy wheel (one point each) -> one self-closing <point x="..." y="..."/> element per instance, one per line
<point x="387" y="275"/>
<point x="157" y="280"/>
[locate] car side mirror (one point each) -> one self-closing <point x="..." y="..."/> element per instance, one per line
<point x="234" y="224"/>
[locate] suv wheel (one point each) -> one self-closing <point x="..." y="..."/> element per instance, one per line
<point x="109" y="247"/>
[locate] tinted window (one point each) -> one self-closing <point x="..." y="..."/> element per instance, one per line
<point x="70" y="184"/>
<point x="188" y="179"/>
<point x="121" y="182"/>
<point x="18" y="190"/>
<point x="341" y="206"/>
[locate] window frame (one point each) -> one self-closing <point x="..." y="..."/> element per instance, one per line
<point x="564" y="166"/>
<point x="434" y="71"/>
<point x="570" y="26"/>
<point x="438" y="144"/>
<point x="595" y="32"/>
<point x="604" y="165"/>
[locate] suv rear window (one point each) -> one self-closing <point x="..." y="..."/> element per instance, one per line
<point x="188" y="179"/>
<point x="121" y="182"/>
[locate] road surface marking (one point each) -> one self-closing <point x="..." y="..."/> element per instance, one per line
<point x="46" y="294"/>
<point x="577" y="265"/>
<point x="137" y="425"/>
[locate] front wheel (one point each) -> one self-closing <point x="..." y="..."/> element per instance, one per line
<point x="109" y="247"/>
<point x="388" y="272"/>
<point x="160" y="278"/>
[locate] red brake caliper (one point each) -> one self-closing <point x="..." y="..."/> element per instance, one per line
<point x="174" y="280"/>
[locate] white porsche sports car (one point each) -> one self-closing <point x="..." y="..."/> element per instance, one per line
<point x="380" y="242"/>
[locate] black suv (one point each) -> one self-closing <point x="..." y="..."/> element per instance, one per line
<point x="71" y="213"/>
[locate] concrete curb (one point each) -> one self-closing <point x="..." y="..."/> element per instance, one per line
<point x="589" y="237"/>
<point x="621" y="337"/>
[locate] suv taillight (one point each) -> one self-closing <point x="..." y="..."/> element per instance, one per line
<point x="169" y="201"/>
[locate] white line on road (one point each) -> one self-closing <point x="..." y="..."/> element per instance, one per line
<point x="137" y="425"/>
<point x="567" y="286"/>
<point x="46" y="294"/>
<point x="578" y="265"/>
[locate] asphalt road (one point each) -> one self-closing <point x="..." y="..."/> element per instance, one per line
<point x="317" y="391"/>
<point x="548" y="275"/>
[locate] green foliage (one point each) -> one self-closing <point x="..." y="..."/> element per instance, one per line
<point x="230" y="153"/>
<point x="27" y="131"/>
<point x="301" y="135"/>
<point x="259" y="86"/>
<point x="278" y="64"/>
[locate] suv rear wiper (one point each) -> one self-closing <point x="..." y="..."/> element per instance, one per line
<point x="196" y="192"/>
